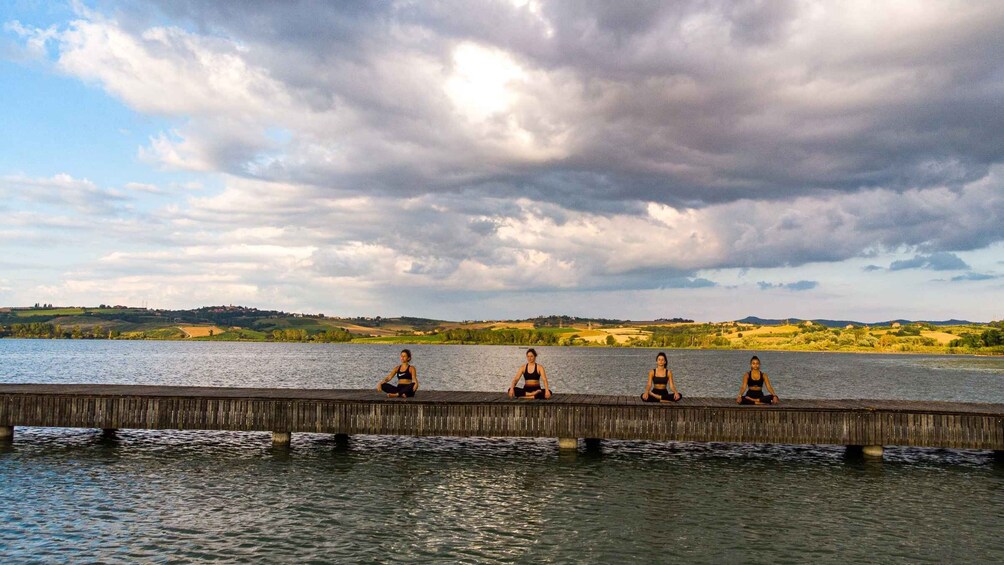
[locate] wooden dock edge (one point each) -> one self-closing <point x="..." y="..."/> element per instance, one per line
<point x="870" y="424"/>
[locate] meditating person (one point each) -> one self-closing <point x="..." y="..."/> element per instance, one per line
<point x="407" y="379"/>
<point x="751" y="389"/>
<point x="532" y="374"/>
<point x="660" y="383"/>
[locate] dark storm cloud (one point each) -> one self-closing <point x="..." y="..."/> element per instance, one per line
<point x="936" y="262"/>
<point x="781" y="133"/>
<point x="682" y="103"/>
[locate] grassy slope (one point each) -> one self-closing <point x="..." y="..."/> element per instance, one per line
<point x="147" y="325"/>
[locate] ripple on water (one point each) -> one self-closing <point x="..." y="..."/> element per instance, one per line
<point x="72" y="495"/>
<point x="153" y="496"/>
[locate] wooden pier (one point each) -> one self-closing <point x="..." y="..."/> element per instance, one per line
<point x="867" y="424"/>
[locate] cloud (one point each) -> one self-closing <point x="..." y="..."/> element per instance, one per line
<point x="974" y="277"/>
<point x="692" y="282"/>
<point x="396" y="146"/>
<point x="796" y="286"/>
<point x="871" y="268"/>
<point x="62" y="190"/>
<point x="941" y="261"/>
<point x="684" y="104"/>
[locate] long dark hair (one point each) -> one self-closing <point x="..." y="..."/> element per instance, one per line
<point x="407" y="352"/>
<point x="663" y="355"/>
<point x="532" y="350"/>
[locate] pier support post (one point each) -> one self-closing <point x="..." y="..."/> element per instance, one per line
<point x="281" y="438"/>
<point x="341" y="439"/>
<point x="108" y="432"/>
<point x="866" y="451"/>
<point x="999" y="455"/>
<point x="593" y="443"/>
<point x="568" y="443"/>
<point x="6" y="433"/>
<point x="872" y="451"/>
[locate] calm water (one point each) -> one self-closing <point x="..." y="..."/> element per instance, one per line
<point x="69" y="495"/>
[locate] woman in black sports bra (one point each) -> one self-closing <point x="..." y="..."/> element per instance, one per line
<point x="533" y="375"/>
<point x="659" y="386"/>
<point x="407" y="379"/>
<point x="751" y="389"/>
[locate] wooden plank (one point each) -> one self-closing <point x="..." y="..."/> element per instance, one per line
<point x="488" y="413"/>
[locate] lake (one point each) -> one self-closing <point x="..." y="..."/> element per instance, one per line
<point x="71" y="495"/>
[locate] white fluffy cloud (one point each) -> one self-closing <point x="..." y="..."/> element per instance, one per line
<point x="544" y="146"/>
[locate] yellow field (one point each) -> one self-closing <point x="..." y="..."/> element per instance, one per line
<point x="941" y="337"/>
<point x="363" y="330"/>
<point x="621" y="335"/>
<point x="200" y="331"/>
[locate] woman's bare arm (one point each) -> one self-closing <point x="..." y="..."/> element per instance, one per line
<point x="770" y="389"/>
<point x="543" y="379"/>
<point x="515" y="380"/>
<point x="672" y="386"/>
<point x="414" y="377"/>
<point x="389" y="376"/>
<point x="742" y="389"/>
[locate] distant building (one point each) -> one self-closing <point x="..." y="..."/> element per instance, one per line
<point x="896" y="324"/>
<point x="849" y="327"/>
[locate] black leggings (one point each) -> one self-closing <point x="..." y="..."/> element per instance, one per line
<point x="520" y="392"/>
<point x="403" y="390"/>
<point x="659" y="394"/>
<point x="752" y="399"/>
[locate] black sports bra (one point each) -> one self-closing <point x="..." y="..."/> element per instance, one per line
<point x="534" y="376"/>
<point x="404" y="375"/>
<point x="758" y="383"/>
<point x="660" y="381"/>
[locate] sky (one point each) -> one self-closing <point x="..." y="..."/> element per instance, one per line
<point x="506" y="159"/>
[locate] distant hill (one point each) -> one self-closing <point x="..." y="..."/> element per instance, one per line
<point x="842" y="323"/>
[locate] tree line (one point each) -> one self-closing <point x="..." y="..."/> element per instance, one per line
<point x="500" y="337"/>
<point x="991" y="338"/>
<point x="55" y="331"/>
<point x="333" y="335"/>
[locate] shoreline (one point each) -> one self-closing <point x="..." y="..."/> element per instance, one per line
<point x="370" y="341"/>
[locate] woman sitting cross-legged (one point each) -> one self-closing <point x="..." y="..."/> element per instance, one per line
<point x="751" y="389"/>
<point x="660" y="383"/>
<point x="532" y="378"/>
<point x="407" y="379"/>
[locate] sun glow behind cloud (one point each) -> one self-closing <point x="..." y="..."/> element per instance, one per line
<point x="530" y="147"/>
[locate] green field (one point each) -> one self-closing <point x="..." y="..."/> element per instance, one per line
<point x="234" y="335"/>
<point x="556" y="330"/>
<point x="240" y="323"/>
<point x="51" y="313"/>
<point x="400" y="339"/>
<point x="57" y="312"/>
